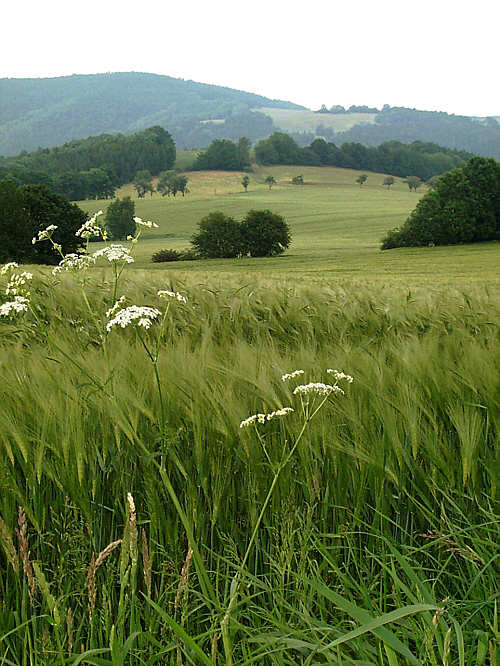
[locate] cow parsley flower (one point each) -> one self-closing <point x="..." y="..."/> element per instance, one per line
<point x="163" y="293"/>
<point x="291" y="375"/>
<point x="44" y="234"/>
<point x="318" y="388"/>
<point x="15" y="287"/>
<point x="19" y="304"/>
<point x="74" y="262"/>
<point x="8" y="267"/>
<point x="134" y="315"/>
<point x="147" y="223"/>
<point x="90" y="229"/>
<point x="338" y="374"/>
<point x="115" y="253"/>
<point x="263" y="418"/>
<point x="115" y="307"/>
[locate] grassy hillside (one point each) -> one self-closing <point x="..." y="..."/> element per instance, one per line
<point x="298" y="120"/>
<point x="336" y="228"/>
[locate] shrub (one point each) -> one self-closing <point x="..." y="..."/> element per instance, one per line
<point x="166" y="255"/>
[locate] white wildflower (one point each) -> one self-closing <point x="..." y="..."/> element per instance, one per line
<point x="90" y="229"/>
<point x="74" y="262"/>
<point x="338" y="374"/>
<point x="262" y="418"/>
<point x="8" y="267"/>
<point x="19" y="304"/>
<point x="134" y="315"/>
<point x="163" y="293"/>
<point x="115" y="307"/>
<point x="291" y="375"/>
<point x="148" y="223"/>
<point x="318" y="388"/>
<point x="44" y="234"/>
<point x="16" y="284"/>
<point x="115" y="252"/>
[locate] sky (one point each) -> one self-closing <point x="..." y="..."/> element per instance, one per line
<point x="432" y="55"/>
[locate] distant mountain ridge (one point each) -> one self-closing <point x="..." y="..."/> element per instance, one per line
<point x="48" y="112"/>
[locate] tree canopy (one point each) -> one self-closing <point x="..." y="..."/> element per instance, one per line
<point x="92" y="168"/>
<point x="462" y="207"/>
<point x="265" y="234"/>
<point x="119" y="218"/>
<point x="27" y="209"/>
<point x="223" y="154"/>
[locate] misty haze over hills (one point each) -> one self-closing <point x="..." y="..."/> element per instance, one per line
<point x="48" y="112"/>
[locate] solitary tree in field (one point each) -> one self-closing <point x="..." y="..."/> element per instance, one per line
<point x="388" y="181"/>
<point x="245" y="181"/>
<point x="143" y="182"/>
<point x="413" y="182"/>
<point x="298" y="180"/>
<point x="362" y="179"/>
<point x="270" y="181"/>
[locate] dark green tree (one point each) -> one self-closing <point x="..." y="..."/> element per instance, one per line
<point x="221" y="154"/>
<point x="298" y="180"/>
<point x="24" y="211"/>
<point x="388" y="181"/>
<point x="245" y="181"/>
<point x="362" y="179"/>
<point x="244" y="152"/>
<point x="219" y="236"/>
<point x="265" y="234"/>
<point x="462" y="207"/>
<point x="119" y="218"/>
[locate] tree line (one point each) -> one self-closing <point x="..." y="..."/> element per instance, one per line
<point x="93" y="168"/>
<point x="416" y="159"/>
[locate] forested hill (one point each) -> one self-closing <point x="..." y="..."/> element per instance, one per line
<point x="48" y="112"/>
<point x="479" y="136"/>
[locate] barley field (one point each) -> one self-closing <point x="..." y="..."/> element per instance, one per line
<point x="245" y="462"/>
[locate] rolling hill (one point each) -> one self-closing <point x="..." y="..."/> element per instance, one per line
<point x="47" y="112"/>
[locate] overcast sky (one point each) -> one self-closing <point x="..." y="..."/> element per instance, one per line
<point x="431" y="54"/>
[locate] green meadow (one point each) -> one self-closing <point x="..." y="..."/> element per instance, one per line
<point x="205" y="485"/>
<point x="336" y="228"/>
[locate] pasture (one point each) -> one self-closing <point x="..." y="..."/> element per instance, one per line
<point x="336" y="228"/>
<point x="297" y="120"/>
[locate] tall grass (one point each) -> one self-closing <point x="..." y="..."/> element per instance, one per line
<point x="377" y="542"/>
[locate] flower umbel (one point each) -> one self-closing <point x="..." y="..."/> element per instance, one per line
<point x="262" y="418"/>
<point x="338" y="374"/>
<point x="147" y="223"/>
<point x="162" y="293"/>
<point x="134" y="315"/>
<point x="19" y="304"/>
<point x="115" y="253"/>
<point x="45" y="234"/>
<point x="90" y="229"/>
<point x="74" y="262"/>
<point x="317" y="388"/>
<point x="8" y="267"/>
<point x="291" y="375"/>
